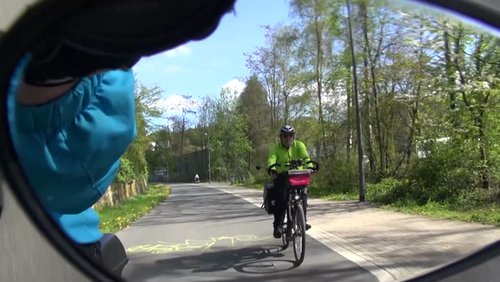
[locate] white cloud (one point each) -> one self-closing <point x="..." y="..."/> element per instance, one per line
<point x="182" y="50"/>
<point x="175" y="105"/>
<point x="234" y="88"/>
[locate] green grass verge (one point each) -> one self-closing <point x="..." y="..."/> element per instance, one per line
<point x="116" y="218"/>
<point x="337" y="197"/>
<point x="488" y="214"/>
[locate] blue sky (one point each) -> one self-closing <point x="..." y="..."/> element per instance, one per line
<point x="202" y="68"/>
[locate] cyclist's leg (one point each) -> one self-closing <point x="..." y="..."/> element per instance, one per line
<point x="280" y="204"/>
<point x="279" y="212"/>
<point x="264" y="194"/>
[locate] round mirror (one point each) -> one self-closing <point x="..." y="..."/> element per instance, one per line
<point x="69" y="114"/>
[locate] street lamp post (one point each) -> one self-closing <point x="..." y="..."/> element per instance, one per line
<point x="208" y="152"/>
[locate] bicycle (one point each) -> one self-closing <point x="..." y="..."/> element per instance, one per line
<point x="294" y="229"/>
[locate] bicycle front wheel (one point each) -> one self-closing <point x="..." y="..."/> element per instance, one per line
<point x="299" y="234"/>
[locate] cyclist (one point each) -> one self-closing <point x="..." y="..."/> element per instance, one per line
<point x="286" y="150"/>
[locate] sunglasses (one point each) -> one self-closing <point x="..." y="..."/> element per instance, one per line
<point x="288" y="135"/>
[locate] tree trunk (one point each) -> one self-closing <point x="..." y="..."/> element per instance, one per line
<point x="349" y="137"/>
<point x="368" y="119"/>
<point x="485" y="182"/>
<point x="319" y="79"/>
<point x="374" y="90"/>
<point x="361" y="170"/>
<point x="450" y="72"/>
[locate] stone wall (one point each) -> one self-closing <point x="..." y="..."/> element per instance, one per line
<point x="117" y="192"/>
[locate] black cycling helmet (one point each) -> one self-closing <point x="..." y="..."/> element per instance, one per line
<point x="287" y="129"/>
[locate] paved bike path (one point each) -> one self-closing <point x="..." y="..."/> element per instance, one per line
<point x="203" y="234"/>
<point x="392" y="246"/>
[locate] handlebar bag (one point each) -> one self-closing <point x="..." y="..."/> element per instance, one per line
<point x="299" y="178"/>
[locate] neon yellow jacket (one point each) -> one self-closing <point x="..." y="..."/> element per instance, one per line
<point x="282" y="155"/>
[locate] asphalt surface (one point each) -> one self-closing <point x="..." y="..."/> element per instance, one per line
<point x="204" y="233"/>
<point x="217" y="232"/>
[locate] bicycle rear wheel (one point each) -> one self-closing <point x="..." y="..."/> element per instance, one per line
<point x="299" y="234"/>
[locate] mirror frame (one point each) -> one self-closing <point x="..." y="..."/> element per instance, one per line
<point x="478" y="10"/>
<point x="36" y="21"/>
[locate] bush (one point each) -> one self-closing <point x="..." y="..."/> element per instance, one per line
<point x="250" y="178"/>
<point x="335" y="177"/>
<point x="126" y="172"/>
<point x="442" y="175"/>
<point x="471" y="199"/>
<point x="389" y="190"/>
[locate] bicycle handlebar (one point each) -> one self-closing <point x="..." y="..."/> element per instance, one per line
<point x="270" y="168"/>
<point x="294" y="164"/>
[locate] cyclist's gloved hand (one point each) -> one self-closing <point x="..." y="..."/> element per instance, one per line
<point x="273" y="174"/>
<point x="54" y="62"/>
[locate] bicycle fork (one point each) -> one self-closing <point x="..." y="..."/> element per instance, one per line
<point x="288" y="221"/>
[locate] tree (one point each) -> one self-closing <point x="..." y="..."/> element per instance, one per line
<point x="229" y="144"/>
<point x="319" y="20"/>
<point x="276" y="66"/>
<point x="474" y="59"/>
<point x="134" y="164"/>
<point x="253" y="106"/>
<point x="361" y="174"/>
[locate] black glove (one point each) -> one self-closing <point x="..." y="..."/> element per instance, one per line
<point x="54" y="62"/>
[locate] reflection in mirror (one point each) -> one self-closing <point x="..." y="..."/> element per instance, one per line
<point x="428" y="95"/>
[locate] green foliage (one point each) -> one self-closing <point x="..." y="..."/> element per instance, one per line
<point x="252" y="104"/>
<point x="126" y="172"/>
<point x="114" y="219"/>
<point x="136" y="155"/>
<point x="133" y="162"/>
<point x="471" y="199"/>
<point x="335" y="177"/>
<point x="389" y="190"/>
<point x="146" y="102"/>
<point x="487" y="214"/>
